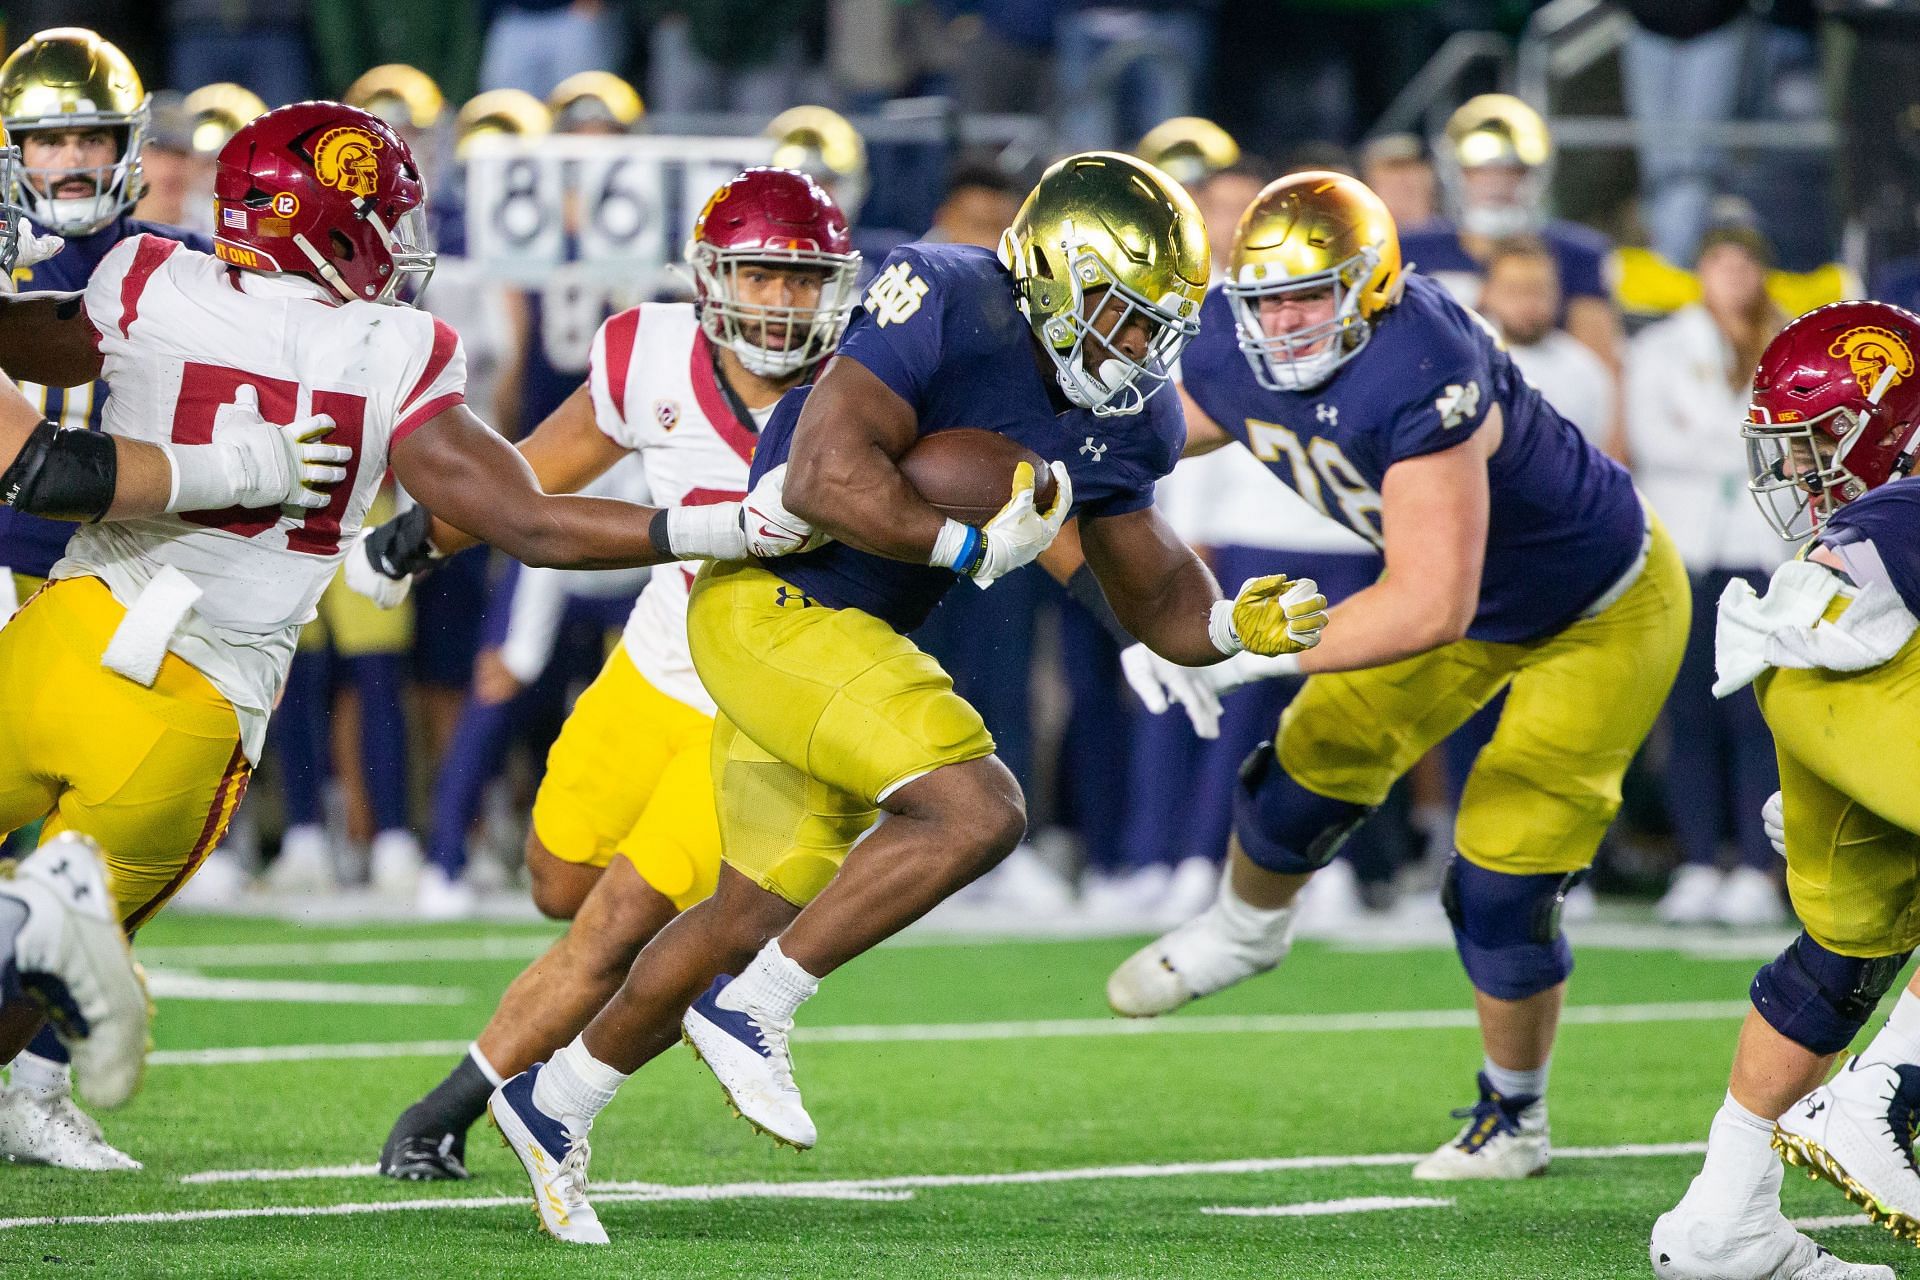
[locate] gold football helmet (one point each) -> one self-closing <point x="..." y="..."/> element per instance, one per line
<point x="1101" y="221"/>
<point x="595" y="98"/>
<point x="1189" y="148"/>
<point x="1308" y="236"/>
<point x="218" y="111"/>
<point x="825" y="146"/>
<point x="1503" y="136"/>
<point x="499" y="113"/>
<point x="70" y="78"/>
<point x="403" y="96"/>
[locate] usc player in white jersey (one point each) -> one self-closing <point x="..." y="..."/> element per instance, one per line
<point x="135" y="688"/>
<point x="624" y="829"/>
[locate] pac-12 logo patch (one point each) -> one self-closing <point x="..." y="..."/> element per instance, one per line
<point x="666" y="413"/>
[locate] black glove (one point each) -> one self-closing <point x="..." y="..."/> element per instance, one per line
<point x="399" y="548"/>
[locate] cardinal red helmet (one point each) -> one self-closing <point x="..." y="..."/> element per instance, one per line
<point x="1836" y="407"/>
<point x="326" y="191"/>
<point x="778" y="218"/>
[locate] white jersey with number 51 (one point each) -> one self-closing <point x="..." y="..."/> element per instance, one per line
<point x="180" y="333"/>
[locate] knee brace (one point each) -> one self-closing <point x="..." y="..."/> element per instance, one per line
<point x="1507" y="928"/>
<point x="1820" y="1000"/>
<point x="1284" y="827"/>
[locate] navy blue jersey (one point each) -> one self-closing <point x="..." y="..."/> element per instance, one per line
<point x="1563" y="523"/>
<point x="1878" y="537"/>
<point x="1580" y="253"/>
<point x="939" y="327"/>
<point x="31" y="544"/>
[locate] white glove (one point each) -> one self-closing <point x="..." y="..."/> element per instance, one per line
<point x="33" y="250"/>
<point x="1773" y="821"/>
<point x="368" y="581"/>
<point x="771" y="529"/>
<point x="255" y="463"/>
<point x="1018" y="532"/>
<point x="1160" y="683"/>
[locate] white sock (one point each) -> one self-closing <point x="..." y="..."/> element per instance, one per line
<point x="1249" y="926"/>
<point x="41" y="1075"/>
<point x="1899" y="1041"/>
<point x="1741" y="1170"/>
<point x="773" y="985"/>
<point x="1516" y="1084"/>
<point x="576" y="1086"/>
<point x="494" y="1078"/>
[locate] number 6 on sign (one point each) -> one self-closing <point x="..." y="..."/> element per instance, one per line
<point x="620" y="214"/>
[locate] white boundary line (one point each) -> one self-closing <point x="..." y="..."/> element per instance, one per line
<point x="185" y="984"/>
<point x="893" y="1188"/>
<point x="1045" y="1029"/>
<point x="1320" y="1208"/>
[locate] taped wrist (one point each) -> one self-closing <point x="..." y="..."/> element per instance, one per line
<point x="63" y="473"/>
<point x="1084" y="587"/>
<point x="701" y="533"/>
<point x="401" y="548"/>
<point x="960" y="547"/>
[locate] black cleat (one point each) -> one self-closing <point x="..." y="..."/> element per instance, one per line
<point x="421" y="1149"/>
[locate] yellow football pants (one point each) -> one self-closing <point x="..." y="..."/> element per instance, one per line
<point x="1849" y="751"/>
<point x="823" y="712"/>
<point x="630" y="776"/>
<point x="1579" y="704"/>
<point x="153" y="774"/>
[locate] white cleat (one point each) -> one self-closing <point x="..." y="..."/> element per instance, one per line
<point x="1692" y="897"/>
<point x="443" y="898"/>
<point x="305" y="864"/>
<point x="554" y="1157"/>
<point x="63" y="944"/>
<point x="1751" y="900"/>
<point x="1689" y="1245"/>
<point x="1503" y="1140"/>
<point x="748" y="1054"/>
<point x="47" y="1128"/>
<point x="1196" y="959"/>
<point x="394" y="864"/>
<point x="1856" y="1132"/>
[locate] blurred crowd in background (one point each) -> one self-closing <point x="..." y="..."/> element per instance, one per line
<point x="1680" y="179"/>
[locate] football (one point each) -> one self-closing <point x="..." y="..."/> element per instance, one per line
<point x="967" y="473"/>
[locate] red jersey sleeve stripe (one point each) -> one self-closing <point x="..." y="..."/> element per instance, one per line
<point x="444" y="342"/>
<point x="147" y="258"/>
<point x="422" y="414"/>
<point x="622" y="331"/>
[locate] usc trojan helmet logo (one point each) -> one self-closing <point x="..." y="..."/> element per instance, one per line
<point x="1874" y="353"/>
<point x="344" y="160"/>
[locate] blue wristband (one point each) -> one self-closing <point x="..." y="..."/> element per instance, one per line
<point x="972" y="552"/>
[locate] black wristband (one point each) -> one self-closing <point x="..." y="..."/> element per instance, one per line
<point x="400" y="548"/>
<point x="63" y="473"/>
<point x="1085" y="588"/>
<point x="657" y="534"/>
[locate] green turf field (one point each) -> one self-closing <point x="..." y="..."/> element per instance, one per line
<point x="944" y="1078"/>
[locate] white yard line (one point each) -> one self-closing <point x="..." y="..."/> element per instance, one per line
<point x="1044" y="1029"/>
<point x="182" y="984"/>
<point x="1025" y="1177"/>
<point x="1322" y="1208"/>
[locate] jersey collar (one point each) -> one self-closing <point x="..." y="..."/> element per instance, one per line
<point x="715" y="403"/>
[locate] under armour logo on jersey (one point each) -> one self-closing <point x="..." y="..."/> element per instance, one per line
<point x="1092" y="450"/>
<point x="1327" y="413"/>
<point x="1457" y="404"/>
<point x="895" y="294"/>
<point x="784" y="596"/>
